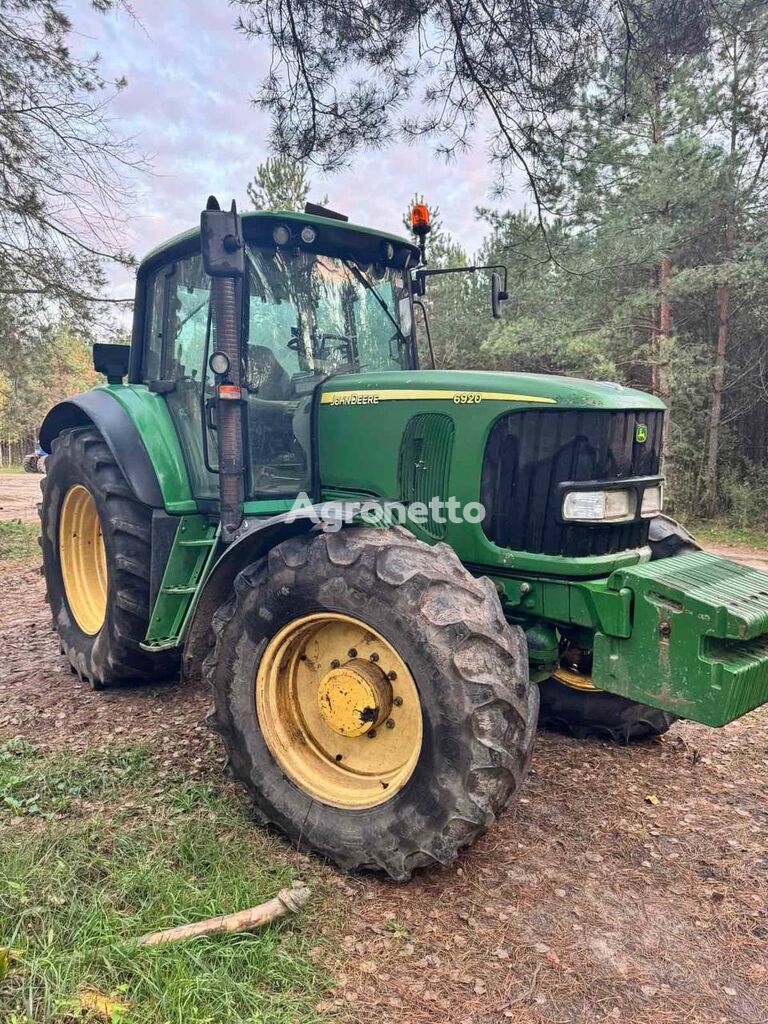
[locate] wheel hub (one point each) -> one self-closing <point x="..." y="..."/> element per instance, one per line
<point x="339" y="710"/>
<point x="354" y="698"/>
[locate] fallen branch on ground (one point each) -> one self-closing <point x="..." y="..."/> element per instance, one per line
<point x="287" y="901"/>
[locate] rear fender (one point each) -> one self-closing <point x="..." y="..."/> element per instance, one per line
<point x="101" y="410"/>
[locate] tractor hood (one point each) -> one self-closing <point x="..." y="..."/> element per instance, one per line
<point x="466" y="387"/>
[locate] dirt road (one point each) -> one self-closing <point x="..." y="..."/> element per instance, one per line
<point x="19" y="495"/>
<point x="629" y="884"/>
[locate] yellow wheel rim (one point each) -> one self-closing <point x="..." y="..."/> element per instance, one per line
<point x="575" y="680"/>
<point x="83" y="559"/>
<point x="339" y="710"/>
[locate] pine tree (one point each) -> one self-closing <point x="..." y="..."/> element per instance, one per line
<point x="280" y="183"/>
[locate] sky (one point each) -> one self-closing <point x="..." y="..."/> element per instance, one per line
<point x="188" y="107"/>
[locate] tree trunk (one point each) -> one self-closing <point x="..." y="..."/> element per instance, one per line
<point x="723" y="304"/>
<point x="654" y="339"/>
<point x="662" y="339"/>
<point x="718" y="375"/>
<point x="664" y="358"/>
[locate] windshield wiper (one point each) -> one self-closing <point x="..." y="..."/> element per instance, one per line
<point x="366" y="282"/>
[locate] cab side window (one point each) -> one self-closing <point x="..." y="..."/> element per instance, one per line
<point x="154" y="325"/>
<point x="186" y="320"/>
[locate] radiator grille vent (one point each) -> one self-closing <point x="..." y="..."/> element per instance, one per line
<point x="425" y="459"/>
<point x="530" y="453"/>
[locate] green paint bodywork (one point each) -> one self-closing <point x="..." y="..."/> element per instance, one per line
<point x="192" y="555"/>
<point x="153" y="420"/>
<point x="699" y="640"/>
<point x="359" y="448"/>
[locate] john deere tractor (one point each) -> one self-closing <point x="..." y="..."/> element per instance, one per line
<point x="222" y="504"/>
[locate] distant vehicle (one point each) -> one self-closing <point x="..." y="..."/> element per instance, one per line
<point x="35" y="463"/>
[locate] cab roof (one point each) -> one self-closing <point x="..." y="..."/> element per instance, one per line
<point x="259" y="222"/>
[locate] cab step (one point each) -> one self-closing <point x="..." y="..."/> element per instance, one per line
<point x="193" y="551"/>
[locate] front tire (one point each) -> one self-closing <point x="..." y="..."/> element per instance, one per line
<point x="466" y="747"/>
<point x="599" y="714"/>
<point x="96" y="544"/>
<point x="583" y="713"/>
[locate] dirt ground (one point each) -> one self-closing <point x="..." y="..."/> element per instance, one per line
<point x="628" y="884"/>
<point x="19" y="495"/>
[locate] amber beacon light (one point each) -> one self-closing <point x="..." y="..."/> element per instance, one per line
<point x="420" y="225"/>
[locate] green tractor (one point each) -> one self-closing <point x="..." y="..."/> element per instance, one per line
<point x="379" y="570"/>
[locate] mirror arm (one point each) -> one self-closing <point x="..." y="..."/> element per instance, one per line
<point x="423" y="308"/>
<point x="422" y="275"/>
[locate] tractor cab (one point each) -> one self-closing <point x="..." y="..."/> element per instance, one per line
<point x="315" y="296"/>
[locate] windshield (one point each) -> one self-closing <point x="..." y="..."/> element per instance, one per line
<point x="309" y="316"/>
<point x="313" y="314"/>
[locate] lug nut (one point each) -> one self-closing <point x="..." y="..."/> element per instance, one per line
<point x="374" y="656"/>
<point x="391" y="676"/>
<point x="352" y="652"/>
<point x="398" y="702"/>
<point x="335" y="663"/>
<point x="390" y="723"/>
<point x="371" y="735"/>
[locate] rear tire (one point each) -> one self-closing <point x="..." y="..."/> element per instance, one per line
<point x="470" y="669"/>
<point x="112" y="654"/>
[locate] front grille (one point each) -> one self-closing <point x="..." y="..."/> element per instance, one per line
<point x="529" y="454"/>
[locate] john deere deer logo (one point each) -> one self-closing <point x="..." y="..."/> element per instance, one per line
<point x="641" y="433"/>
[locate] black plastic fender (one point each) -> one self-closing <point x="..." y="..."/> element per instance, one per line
<point x="667" y="537"/>
<point x="99" y="409"/>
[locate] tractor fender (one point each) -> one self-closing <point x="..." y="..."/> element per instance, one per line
<point x="259" y="537"/>
<point x="99" y="409"/>
<point x="666" y="537"/>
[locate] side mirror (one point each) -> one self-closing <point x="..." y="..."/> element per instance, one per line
<point x="221" y="243"/>
<point x="498" y="295"/>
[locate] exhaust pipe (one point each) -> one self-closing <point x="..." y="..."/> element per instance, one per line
<point x="224" y="260"/>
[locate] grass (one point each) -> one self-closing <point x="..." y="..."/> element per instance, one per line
<point x="18" y="540"/>
<point x="11" y="469"/>
<point x="97" y="849"/>
<point x="719" y="532"/>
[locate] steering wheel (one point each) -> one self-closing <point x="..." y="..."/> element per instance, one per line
<point x="329" y="336"/>
<point x="345" y="346"/>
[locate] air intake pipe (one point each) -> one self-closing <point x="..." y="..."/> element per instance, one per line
<point x="224" y="260"/>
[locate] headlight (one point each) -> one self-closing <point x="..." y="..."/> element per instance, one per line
<point x="599" y="506"/>
<point x="653" y="498"/>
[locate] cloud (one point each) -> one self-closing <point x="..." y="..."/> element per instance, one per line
<point x="188" y="105"/>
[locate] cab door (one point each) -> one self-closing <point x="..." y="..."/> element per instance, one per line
<point x="177" y="306"/>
